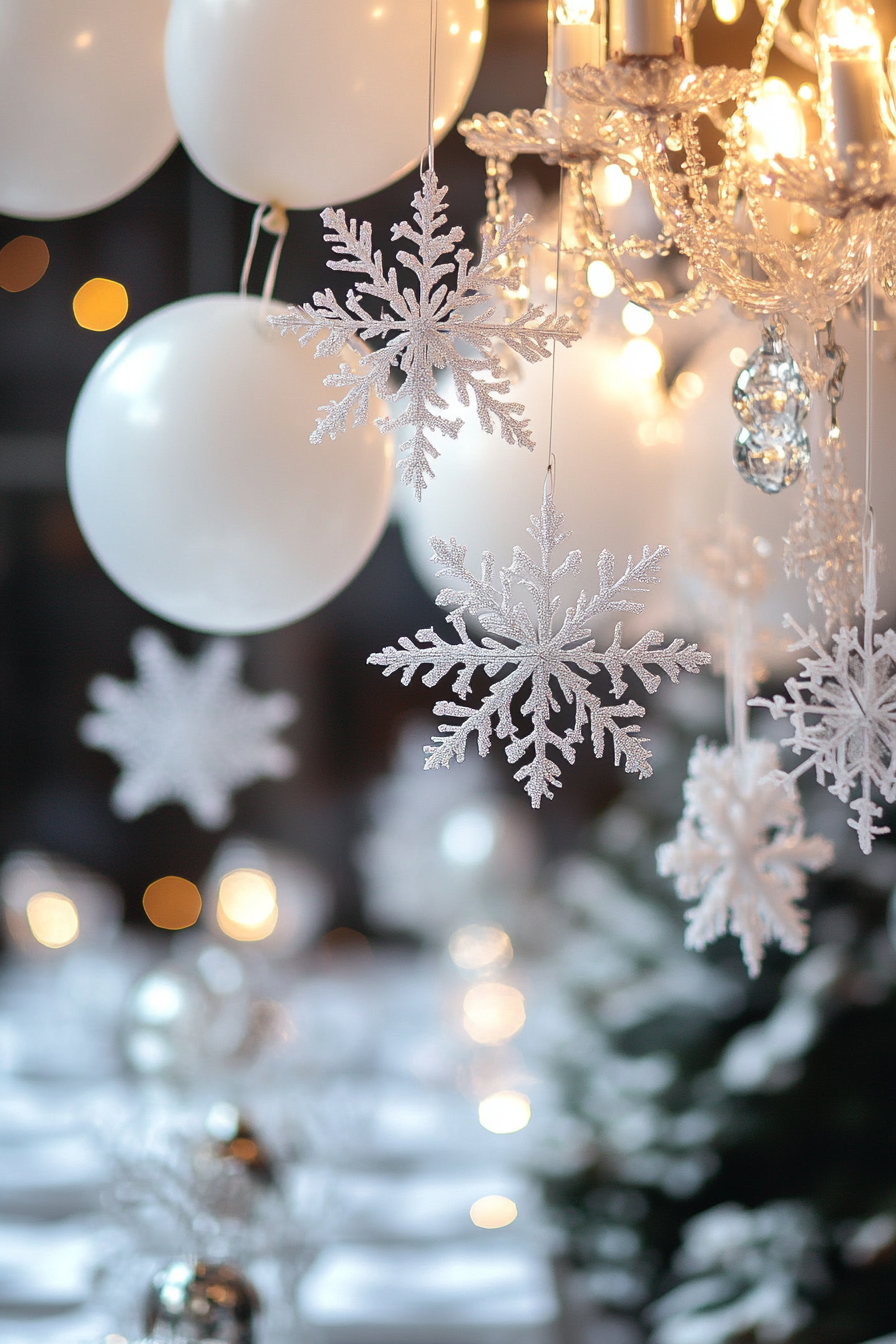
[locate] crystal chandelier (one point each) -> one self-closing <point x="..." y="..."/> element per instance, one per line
<point x="776" y="228"/>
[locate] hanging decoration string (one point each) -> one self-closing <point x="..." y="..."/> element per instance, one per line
<point x="550" y="479"/>
<point x="431" y="97"/>
<point x="273" y="219"/>
<point x="868" y="543"/>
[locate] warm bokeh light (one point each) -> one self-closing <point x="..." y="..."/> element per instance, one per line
<point x="468" y="837"/>
<point x="601" y="280"/>
<point x="23" y="262"/>
<point x="84" y="40"/>
<point x="493" y="1012"/>
<point x="172" y="903"/>
<point x="728" y="11"/>
<point x="636" y="320"/>
<point x="505" y="1112"/>
<point x="100" y="305"/>
<point x="641" y="358"/>
<point x="480" y="947"/>
<point x="52" y="918"/>
<point x="853" y="31"/>
<point x="738" y="356"/>
<point x="475" y="36"/>
<point x="775" y="123"/>
<point x="493" y="1211"/>
<point x="574" y="11"/>
<point x="612" y="185"/>
<point x="247" y="905"/>
<point x="687" y="388"/>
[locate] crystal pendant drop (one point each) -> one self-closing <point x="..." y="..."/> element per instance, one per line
<point x="771" y="400"/>
<point x="771" y="463"/>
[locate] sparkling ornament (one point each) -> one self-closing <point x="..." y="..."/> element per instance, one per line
<point x="425" y="331"/>
<point x="842" y="708"/>
<point x="772" y="400"/>
<point x="192" y="1300"/>
<point x="740" y="851"/>
<point x="824" y="544"/>
<point x="538" y="653"/>
<point x="187" y="731"/>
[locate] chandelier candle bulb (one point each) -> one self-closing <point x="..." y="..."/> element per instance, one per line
<point x="643" y="27"/>
<point x="850" y="77"/>
<point x="576" y="36"/>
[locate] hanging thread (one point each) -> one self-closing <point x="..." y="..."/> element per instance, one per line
<point x="431" y="99"/>
<point x="868" y="544"/>
<point x="274" y="220"/>
<point x="550" y="473"/>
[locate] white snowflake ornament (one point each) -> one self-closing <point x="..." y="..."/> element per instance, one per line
<point x="842" y="709"/>
<point x="824" y="544"/>
<point x="539" y="656"/>
<point x="740" y="851"/>
<point x="431" y="327"/>
<point x="187" y="731"/>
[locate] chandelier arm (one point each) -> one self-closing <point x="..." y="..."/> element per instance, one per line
<point x="734" y="143"/>
<point x="702" y="233"/>
<point x="798" y="46"/>
<point x="602" y="240"/>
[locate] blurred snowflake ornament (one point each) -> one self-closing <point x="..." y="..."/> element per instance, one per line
<point x="187" y="731"/>
<point x="424" y="330"/>
<point x="824" y="544"/>
<point x="539" y="655"/>
<point x="740" y="851"/>
<point x="842" y="708"/>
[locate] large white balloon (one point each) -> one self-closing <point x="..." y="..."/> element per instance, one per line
<point x="193" y="480"/>
<point x="613" y="491"/>
<point x="312" y="102"/>
<point x="84" y="115"/>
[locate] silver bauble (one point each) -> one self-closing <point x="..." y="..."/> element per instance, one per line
<point x="193" y="1300"/>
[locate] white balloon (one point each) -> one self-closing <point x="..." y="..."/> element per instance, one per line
<point x="311" y="102"/>
<point x="613" y="491"/>
<point x="193" y="479"/>
<point x="84" y="115"/>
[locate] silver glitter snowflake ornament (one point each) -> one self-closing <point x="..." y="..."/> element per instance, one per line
<point x="740" y="851"/>
<point x="432" y="327"/>
<point x="842" y="708"/>
<point x="540" y="656"/>
<point x="186" y="731"/>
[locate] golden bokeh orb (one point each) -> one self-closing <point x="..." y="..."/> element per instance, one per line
<point x="493" y="1211"/>
<point x="247" y="905"/>
<point x="52" y="919"/>
<point x="100" y="305"/>
<point x="23" y="262"/>
<point x="172" y="903"/>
